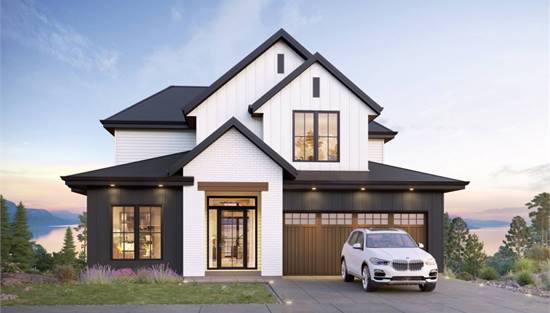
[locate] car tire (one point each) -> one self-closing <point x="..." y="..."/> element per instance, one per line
<point x="367" y="283"/>
<point x="427" y="287"/>
<point x="344" y="272"/>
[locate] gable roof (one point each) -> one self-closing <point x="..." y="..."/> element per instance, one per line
<point x="289" y="170"/>
<point x="316" y="58"/>
<point x="279" y="35"/>
<point x="379" y="176"/>
<point x="161" y="110"/>
<point x="149" y="172"/>
<point x="379" y="131"/>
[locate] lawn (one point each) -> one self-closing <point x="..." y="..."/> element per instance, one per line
<point x="135" y="293"/>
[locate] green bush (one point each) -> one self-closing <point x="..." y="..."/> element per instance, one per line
<point x="465" y="276"/>
<point x="524" y="278"/>
<point x="488" y="273"/>
<point x="524" y="265"/>
<point x="65" y="273"/>
<point x="502" y="261"/>
<point x="538" y="253"/>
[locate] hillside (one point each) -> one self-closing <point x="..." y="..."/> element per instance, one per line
<point x="42" y="217"/>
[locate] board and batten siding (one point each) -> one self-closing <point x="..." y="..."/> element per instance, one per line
<point x="233" y="158"/>
<point x="136" y="145"/>
<point x="233" y="99"/>
<point x="376" y="150"/>
<point x="334" y="96"/>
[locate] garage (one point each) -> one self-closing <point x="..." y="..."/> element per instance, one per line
<point x="312" y="242"/>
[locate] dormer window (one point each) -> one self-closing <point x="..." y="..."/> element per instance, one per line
<point x="316" y="136"/>
<point x="280" y="63"/>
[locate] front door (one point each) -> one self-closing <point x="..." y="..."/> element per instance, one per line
<point x="232" y="233"/>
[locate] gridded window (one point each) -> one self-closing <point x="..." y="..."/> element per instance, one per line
<point x="372" y="219"/>
<point x="300" y="218"/>
<point x="408" y="219"/>
<point x="123" y="233"/>
<point x="149" y="233"/>
<point x="136" y="227"/>
<point x="336" y="218"/>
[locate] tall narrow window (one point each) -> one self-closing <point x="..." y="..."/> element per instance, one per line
<point x="123" y="232"/>
<point x="316" y="136"/>
<point x="316" y="87"/>
<point x="149" y="233"/>
<point x="280" y="63"/>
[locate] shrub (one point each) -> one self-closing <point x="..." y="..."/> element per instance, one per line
<point x="539" y="253"/>
<point x="524" y="278"/>
<point x="488" y="273"/>
<point x="449" y="273"/>
<point x="161" y="273"/>
<point x="97" y="274"/>
<point x="524" y="265"/>
<point x="502" y="261"/>
<point x="65" y="273"/>
<point x="124" y="274"/>
<point x="142" y="276"/>
<point x="465" y="276"/>
<point x="545" y="279"/>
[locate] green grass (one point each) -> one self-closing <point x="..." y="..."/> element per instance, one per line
<point x="134" y="293"/>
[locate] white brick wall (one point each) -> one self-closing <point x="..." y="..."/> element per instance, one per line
<point x="233" y="158"/>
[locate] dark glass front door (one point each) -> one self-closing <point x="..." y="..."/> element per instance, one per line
<point x="232" y="246"/>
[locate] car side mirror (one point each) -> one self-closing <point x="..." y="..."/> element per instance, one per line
<point x="421" y="245"/>
<point x="357" y="246"/>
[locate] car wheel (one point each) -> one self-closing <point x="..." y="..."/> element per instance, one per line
<point x="344" y="272"/>
<point x="427" y="287"/>
<point x="366" y="282"/>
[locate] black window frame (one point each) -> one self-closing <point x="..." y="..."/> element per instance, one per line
<point x="280" y="63"/>
<point x="136" y="232"/>
<point x="315" y="135"/>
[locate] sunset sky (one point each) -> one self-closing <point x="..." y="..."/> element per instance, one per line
<point x="466" y="83"/>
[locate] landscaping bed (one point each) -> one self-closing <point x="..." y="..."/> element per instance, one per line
<point x="137" y="293"/>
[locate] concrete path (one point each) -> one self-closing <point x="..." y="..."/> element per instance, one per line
<point x="331" y="295"/>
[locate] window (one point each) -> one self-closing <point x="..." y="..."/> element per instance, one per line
<point x="144" y="232"/>
<point x="353" y="238"/>
<point x="280" y="63"/>
<point x="408" y="219"/>
<point x="300" y="218"/>
<point x="316" y="87"/>
<point x="316" y="136"/>
<point x="372" y="219"/>
<point x="336" y="218"/>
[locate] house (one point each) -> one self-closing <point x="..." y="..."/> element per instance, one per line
<point x="266" y="171"/>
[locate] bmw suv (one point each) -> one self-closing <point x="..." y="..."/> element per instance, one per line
<point x="387" y="257"/>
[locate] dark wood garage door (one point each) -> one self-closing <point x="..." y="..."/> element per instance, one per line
<point x="312" y="242"/>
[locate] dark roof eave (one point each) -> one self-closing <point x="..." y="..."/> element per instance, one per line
<point x="82" y="184"/>
<point x="380" y="186"/>
<point x="111" y="125"/>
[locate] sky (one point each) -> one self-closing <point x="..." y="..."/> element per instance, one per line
<point x="466" y="83"/>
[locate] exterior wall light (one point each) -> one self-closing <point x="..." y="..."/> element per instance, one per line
<point x="363" y="189"/>
<point x="161" y="185"/>
<point x="313" y="188"/>
<point x="112" y="185"/>
<point x="411" y="189"/>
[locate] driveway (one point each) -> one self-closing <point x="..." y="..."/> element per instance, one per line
<point x="331" y="295"/>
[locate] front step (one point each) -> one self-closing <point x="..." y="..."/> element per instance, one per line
<point x="214" y="273"/>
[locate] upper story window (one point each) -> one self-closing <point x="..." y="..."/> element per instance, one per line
<point x="280" y="63"/>
<point x="316" y="136"/>
<point x="136" y="232"/>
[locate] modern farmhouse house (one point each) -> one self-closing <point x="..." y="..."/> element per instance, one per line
<point x="266" y="170"/>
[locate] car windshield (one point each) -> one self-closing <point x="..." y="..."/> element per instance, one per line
<point x="389" y="240"/>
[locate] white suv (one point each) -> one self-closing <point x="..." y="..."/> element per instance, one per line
<point x="387" y="256"/>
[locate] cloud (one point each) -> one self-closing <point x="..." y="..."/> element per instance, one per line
<point x="24" y="22"/>
<point x="535" y="177"/>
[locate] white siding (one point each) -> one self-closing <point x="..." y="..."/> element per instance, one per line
<point x="376" y="150"/>
<point x="135" y="145"/>
<point x="242" y="90"/>
<point x="334" y="96"/>
<point x="233" y="158"/>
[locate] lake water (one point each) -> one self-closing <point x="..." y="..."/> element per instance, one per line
<point x="51" y="237"/>
<point x="492" y="238"/>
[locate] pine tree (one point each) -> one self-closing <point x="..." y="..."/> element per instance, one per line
<point x="68" y="252"/>
<point x="5" y="232"/>
<point x="474" y="257"/>
<point x="446" y="228"/>
<point x="82" y="229"/>
<point x="540" y="217"/>
<point x="21" y="247"/>
<point x="455" y="246"/>
<point x="518" y="238"/>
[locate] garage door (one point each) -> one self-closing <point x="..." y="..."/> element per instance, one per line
<point x="312" y="242"/>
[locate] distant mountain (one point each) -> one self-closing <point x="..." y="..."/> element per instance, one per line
<point x="42" y="217"/>
<point x="481" y="223"/>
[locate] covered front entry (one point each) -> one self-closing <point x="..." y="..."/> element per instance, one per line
<point x="232" y="232"/>
<point x="312" y="242"/>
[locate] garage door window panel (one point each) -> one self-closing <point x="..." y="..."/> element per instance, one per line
<point x="336" y="218"/>
<point x="408" y="219"/>
<point x="300" y="218"/>
<point x="372" y="218"/>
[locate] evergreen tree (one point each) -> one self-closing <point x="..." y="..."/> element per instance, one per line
<point x="43" y="260"/>
<point x="503" y="260"/>
<point x="82" y="229"/>
<point x="68" y="252"/>
<point x="446" y="228"/>
<point x="518" y="238"/>
<point x="540" y="217"/>
<point x="474" y="257"/>
<point x="5" y="232"/>
<point x="455" y="246"/>
<point x="21" y="247"/>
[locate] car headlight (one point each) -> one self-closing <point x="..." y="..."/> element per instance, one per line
<point x="377" y="261"/>
<point x="430" y="261"/>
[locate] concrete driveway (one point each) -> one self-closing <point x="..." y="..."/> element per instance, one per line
<point x="331" y="295"/>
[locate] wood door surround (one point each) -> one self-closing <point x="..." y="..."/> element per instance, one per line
<point x="233" y="186"/>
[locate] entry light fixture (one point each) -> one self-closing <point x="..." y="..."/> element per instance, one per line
<point x="161" y="185"/>
<point x="313" y="188"/>
<point x="363" y="189"/>
<point x="411" y="189"/>
<point x="112" y="185"/>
